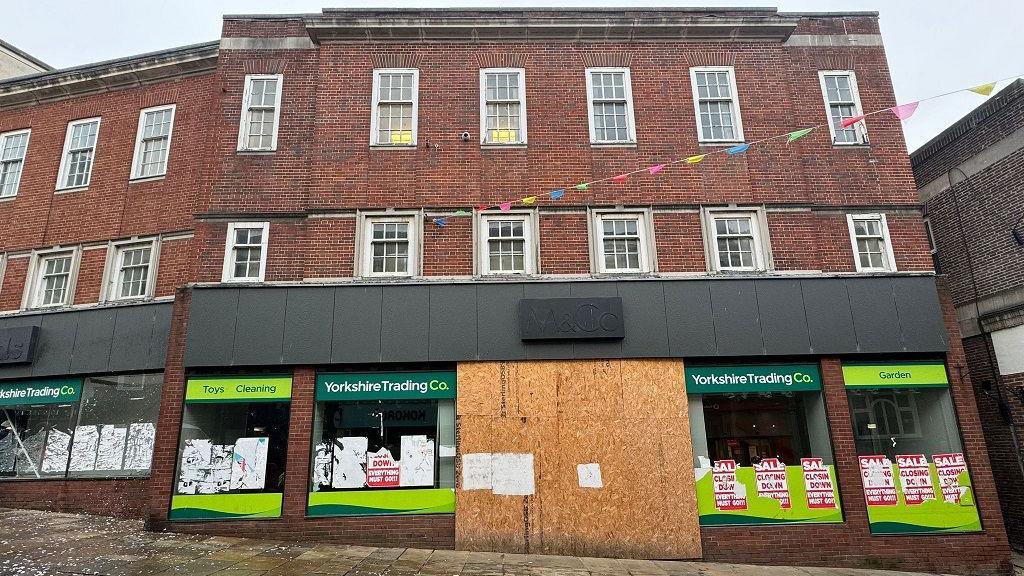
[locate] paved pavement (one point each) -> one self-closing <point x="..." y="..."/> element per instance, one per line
<point x="49" y="544"/>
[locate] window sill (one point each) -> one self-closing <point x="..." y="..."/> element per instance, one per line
<point x="256" y="152"/>
<point x="70" y="190"/>
<point x="853" y="145"/>
<point x="8" y="198"/>
<point x="242" y="280"/>
<point x="519" y="146"/>
<point x="142" y="179"/>
<point x="412" y="146"/>
<point x="719" y="143"/>
<point x="613" y="144"/>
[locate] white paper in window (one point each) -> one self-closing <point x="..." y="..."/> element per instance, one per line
<point x="249" y="468"/>
<point x="322" y="465"/>
<point x="512" y="474"/>
<point x="8" y="450"/>
<point x="349" y="462"/>
<point x="55" y="457"/>
<point x="83" y="451"/>
<point x="476" y="471"/>
<point x="195" y="460"/>
<point x="217" y="476"/>
<point x="110" y="454"/>
<point x="139" y="452"/>
<point x="416" y="467"/>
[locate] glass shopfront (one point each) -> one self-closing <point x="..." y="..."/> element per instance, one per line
<point x="912" y="465"/>
<point x="761" y="445"/>
<point x="383" y="443"/>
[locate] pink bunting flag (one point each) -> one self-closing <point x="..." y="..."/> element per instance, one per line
<point x="505" y="206"/>
<point x="655" y="169"/>
<point x="620" y="178"/>
<point x="904" y="111"/>
<point x="851" y="121"/>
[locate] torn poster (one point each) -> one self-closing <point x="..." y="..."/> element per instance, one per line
<point x="589" y="475"/>
<point x="321" y="465"/>
<point x="83" y="450"/>
<point x="195" y="461"/>
<point x="877" y="477"/>
<point x="110" y="453"/>
<point x="476" y="471"/>
<point x="512" y="474"/>
<point x="381" y="469"/>
<point x="349" y="462"/>
<point x="416" y="467"/>
<point x="949" y="468"/>
<point x="249" y="468"/>
<point x="770" y="480"/>
<point x="915" y="478"/>
<point x="139" y="450"/>
<point x="818" y="483"/>
<point x="55" y="457"/>
<point x="730" y="494"/>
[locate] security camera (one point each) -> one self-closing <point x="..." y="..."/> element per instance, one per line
<point x="465" y="136"/>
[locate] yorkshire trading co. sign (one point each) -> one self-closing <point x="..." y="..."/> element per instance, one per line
<point x="570" y="318"/>
<point x="17" y="344"/>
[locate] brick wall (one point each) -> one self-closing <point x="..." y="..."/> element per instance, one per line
<point x="119" y="498"/>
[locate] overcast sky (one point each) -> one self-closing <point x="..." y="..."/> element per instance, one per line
<point x="933" y="46"/>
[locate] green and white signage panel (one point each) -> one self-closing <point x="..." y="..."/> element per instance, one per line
<point x="895" y="375"/>
<point x="58" y="391"/>
<point x="385" y="386"/>
<point x="225" y="506"/>
<point x="239" y="389"/>
<point x="752" y="378"/>
<point x="380" y="502"/>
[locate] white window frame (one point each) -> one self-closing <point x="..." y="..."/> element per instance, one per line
<point x="887" y="254"/>
<point x="627" y="84"/>
<point x="110" y="291"/>
<point x="531" y="246"/>
<point x="522" y="105"/>
<point x="859" y="127"/>
<point x="137" y="158"/>
<point x="735" y="99"/>
<point x="930" y="235"/>
<point x="63" y="171"/>
<point x="645" y="229"/>
<point x="34" y="278"/>
<point x="243" y="132"/>
<point x="365" y="240"/>
<point x="758" y="229"/>
<point x="375" y="101"/>
<point x="228" y="273"/>
<point x="3" y="270"/>
<point x="24" y="159"/>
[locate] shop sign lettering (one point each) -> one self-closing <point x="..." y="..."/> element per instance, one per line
<point x="752" y="378"/>
<point x="877" y="477"/>
<point x="41" y="392"/>
<point x="948" y="468"/>
<point x="770" y="478"/>
<point x="915" y="478"/>
<point x="570" y="318"/>
<point x="18" y="344"/>
<point x="818" y="483"/>
<point x="910" y="374"/>
<point x="238" y="389"/>
<point x="729" y="494"/>
<point x="385" y="385"/>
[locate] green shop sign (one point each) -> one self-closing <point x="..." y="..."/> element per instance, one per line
<point x="379" y="502"/>
<point x="902" y="375"/>
<point x="225" y="506"/>
<point x="752" y="378"/>
<point x="239" y="389"/>
<point x="63" y="391"/>
<point x="385" y="386"/>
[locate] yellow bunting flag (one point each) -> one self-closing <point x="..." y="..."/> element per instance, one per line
<point x="529" y="200"/>
<point x="695" y="159"/>
<point x="984" y="89"/>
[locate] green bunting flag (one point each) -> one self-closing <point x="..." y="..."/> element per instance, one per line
<point x="583" y="186"/>
<point x="798" y="134"/>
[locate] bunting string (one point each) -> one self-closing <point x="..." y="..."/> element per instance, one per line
<point x="901" y="112"/>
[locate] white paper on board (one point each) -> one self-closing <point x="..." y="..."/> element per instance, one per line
<point x="416" y="466"/>
<point x="83" y="450"/>
<point x="349" y="462"/>
<point x="446" y="451"/>
<point x="139" y="450"/>
<point x="249" y="466"/>
<point x="321" y="465"/>
<point x="704" y="461"/>
<point x="195" y="465"/>
<point x="589" y="475"/>
<point x="110" y="453"/>
<point x="476" y="471"/>
<point x="512" y="474"/>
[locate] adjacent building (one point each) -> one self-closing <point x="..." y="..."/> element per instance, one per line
<point x="969" y="181"/>
<point x="14" y="62"/>
<point x="312" y="281"/>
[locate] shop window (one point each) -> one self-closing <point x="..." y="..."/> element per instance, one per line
<point x="384" y="443"/>
<point x="233" y="448"/>
<point x="913" y="470"/>
<point x="116" y="426"/>
<point x="38" y="419"/>
<point x="762" y="453"/>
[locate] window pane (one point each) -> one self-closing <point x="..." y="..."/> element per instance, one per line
<point x="35" y="441"/>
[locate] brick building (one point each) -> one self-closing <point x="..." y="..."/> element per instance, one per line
<point x="227" y="299"/>
<point x="969" y="182"/>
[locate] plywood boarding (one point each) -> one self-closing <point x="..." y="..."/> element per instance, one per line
<point x="629" y="416"/>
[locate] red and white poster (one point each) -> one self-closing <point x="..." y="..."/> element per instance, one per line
<point x="818" y="484"/>
<point x="915" y="478"/>
<point x="381" y="470"/>
<point x="877" y="477"/>
<point x="729" y="494"/>
<point x="770" y="478"/>
<point x="948" y="468"/>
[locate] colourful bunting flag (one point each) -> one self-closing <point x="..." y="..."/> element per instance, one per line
<point x="440" y="222"/>
<point x="583" y="186"/>
<point x="798" y="134"/>
<point x="482" y="207"/>
<point x="904" y="111"/>
<point x="739" y="149"/>
<point x="655" y="169"/>
<point x="620" y="178"/>
<point x="505" y="206"/>
<point x="695" y="159"/>
<point x="851" y="121"/>
<point x="984" y="89"/>
<point x="557" y="194"/>
<point x="529" y="200"/>
<point x="461" y="212"/>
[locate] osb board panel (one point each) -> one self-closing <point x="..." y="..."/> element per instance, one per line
<point x="628" y="416"/>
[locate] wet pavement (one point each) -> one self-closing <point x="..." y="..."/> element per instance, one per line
<point x="49" y="544"/>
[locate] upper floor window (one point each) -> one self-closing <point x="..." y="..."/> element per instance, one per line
<point x="245" y="252"/>
<point x="261" y="112"/>
<point x="153" y="142"/>
<point x="130" y="270"/>
<point x="390" y="245"/>
<point x="507" y="244"/>
<point x="622" y="242"/>
<point x="932" y="246"/>
<point x="13" y="147"/>
<point x="395" y="104"/>
<point x="610" y="104"/>
<point x="839" y="88"/>
<point x="869" y="235"/>
<point x="503" y="106"/>
<point x="52" y="278"/>
<point x="735" y="241"/>
<point x="716" y="104"/>
<point x="79" y="152"/>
